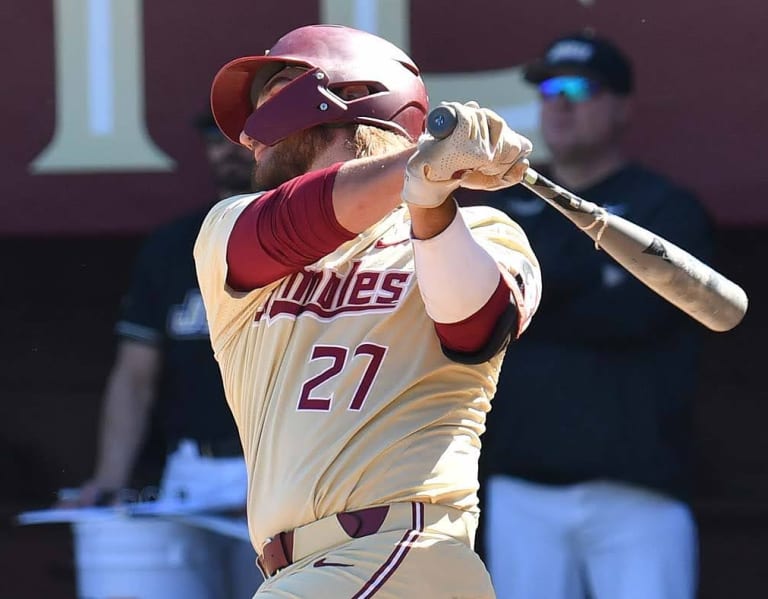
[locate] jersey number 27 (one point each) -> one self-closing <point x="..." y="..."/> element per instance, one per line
<point x="340" y="356"/>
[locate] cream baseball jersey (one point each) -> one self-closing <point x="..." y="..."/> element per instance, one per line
<point x="336" y="377"/>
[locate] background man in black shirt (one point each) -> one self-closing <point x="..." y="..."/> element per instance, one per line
<point x="587" y="446"/>
<point x="164" y="365"/>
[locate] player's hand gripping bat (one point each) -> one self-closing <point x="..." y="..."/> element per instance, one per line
<point x="674" y="274"/>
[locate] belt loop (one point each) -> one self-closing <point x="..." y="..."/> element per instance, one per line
<point x="276" y="554"/>
<point x="362" y="523"/>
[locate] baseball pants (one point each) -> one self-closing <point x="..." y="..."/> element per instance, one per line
<point x="430" y="556"/>
<point x="601" y="540"/>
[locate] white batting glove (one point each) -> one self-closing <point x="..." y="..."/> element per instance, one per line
<point x="482" y="152"/>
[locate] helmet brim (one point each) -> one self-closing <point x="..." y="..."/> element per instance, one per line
<point x="233" y="89"/>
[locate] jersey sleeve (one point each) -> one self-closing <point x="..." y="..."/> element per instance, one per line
<point x="285" y="230"/>
<point x="142" y="314"/>
<point x="227" y="310"/>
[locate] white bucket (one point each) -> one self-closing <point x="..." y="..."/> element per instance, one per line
<point x="145" y="558"/>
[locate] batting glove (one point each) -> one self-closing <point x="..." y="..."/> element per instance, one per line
<point x="482" y="152"/>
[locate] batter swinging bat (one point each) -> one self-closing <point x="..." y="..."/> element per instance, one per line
<point x="674" y="274"/>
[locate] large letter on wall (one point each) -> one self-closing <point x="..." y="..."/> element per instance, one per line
<point x="502" y="90"/>
<point x="100" y="91"/>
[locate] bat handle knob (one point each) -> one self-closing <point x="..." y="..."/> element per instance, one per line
<point x="441" y="121"/>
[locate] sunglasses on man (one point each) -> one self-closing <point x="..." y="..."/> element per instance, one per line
<point x="572" y="87"/>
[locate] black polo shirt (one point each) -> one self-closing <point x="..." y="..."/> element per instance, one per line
<point x="164" y="308"/>
<point x="600" y="386"/>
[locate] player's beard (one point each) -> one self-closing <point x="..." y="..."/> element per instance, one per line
<point x="290" y="158"/>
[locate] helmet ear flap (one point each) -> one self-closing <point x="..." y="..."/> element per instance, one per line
<point x="268" y="124"/>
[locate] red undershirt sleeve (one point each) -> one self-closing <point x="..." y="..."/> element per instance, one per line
<point x="285" y="230"/>
<point x="488" y="328"/>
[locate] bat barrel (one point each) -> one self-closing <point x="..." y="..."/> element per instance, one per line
<point x="680" y="278"/>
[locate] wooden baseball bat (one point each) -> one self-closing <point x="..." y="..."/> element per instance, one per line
<point x="671" y="272"/>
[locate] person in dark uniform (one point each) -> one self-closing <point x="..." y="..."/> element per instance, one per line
<point x="586" y="456"/>
<point x="164" y="366"/>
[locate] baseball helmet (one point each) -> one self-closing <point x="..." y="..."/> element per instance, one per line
<point x="335" y="57"/>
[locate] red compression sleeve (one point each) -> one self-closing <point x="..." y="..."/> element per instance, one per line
<point x="285" y="230"/>
<point x="473" y="333"/>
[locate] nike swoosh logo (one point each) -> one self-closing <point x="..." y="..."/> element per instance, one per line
<point x="321" y="563"/>
<point x="382" y="244"/>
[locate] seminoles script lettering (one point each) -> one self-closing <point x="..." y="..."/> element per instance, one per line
<point x="327" y="294"/>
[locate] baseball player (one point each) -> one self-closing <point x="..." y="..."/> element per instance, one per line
<point x="359" y="318"/>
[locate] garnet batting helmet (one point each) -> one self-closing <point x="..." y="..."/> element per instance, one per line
<point x="335" y="57"/>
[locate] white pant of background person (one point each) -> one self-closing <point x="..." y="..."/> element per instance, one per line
<point x="598" y="540"/>
<point x="187" y="474"/>
<point x="158" y="558"/>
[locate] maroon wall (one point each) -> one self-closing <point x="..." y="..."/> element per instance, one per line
<point x="700" y="101"/>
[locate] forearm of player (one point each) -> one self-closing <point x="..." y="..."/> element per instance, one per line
<point x="129" y="395"/>
<point x="427" y="223"/>
<point x="367" y="189"/>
